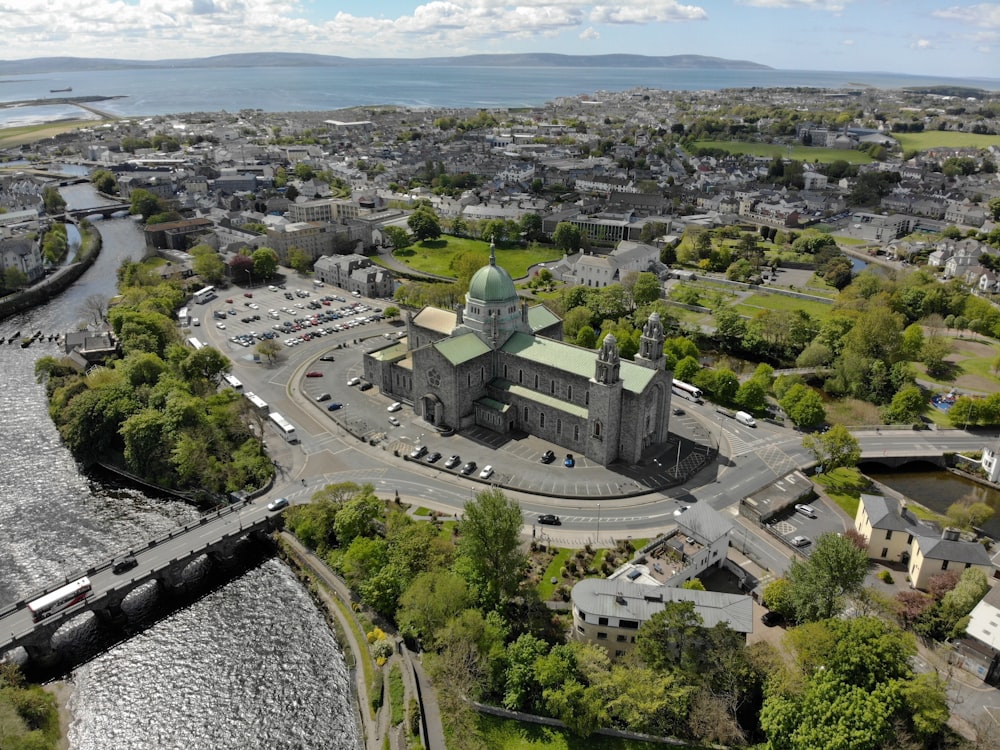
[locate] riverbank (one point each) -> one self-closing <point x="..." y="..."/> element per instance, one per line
<point x="62" y="691"/>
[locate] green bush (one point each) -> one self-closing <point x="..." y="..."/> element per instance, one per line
<point x="885" y="576"/>
<point x="376" y="695"/>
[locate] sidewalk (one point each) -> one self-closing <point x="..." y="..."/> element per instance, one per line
<point x="416" y="684"/>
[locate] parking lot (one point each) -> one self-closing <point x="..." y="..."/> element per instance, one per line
<point x="799" y="528"/>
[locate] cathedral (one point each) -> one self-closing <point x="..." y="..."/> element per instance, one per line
<point x="499" y="364"/>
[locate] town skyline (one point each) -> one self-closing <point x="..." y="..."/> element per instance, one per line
<point x="957" y="40"/>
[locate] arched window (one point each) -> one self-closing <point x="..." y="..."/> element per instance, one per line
<point x="597" y="428"/>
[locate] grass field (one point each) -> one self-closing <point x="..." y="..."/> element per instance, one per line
<point x="31" y="133"/>
<point x="757" y="302"/>
<point x="507" y="734"/>
<point x="799" y="153"/>
<point x="437" y="256"/>
<point x="546" y="588"/>
<point x="943" y="139"/>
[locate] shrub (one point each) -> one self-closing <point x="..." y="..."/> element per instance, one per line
<point x="885" y="576"/>
<point x="376" y="695"/>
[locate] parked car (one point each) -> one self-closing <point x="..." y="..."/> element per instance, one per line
<point x="548" y="457"/>
<point x="221" y="326"/>
<point x="806" y="510"/>
<point x="452" y="461"/>
<point x="801" y="541"/>
<point x="551" y="520"/>
<point x="278" y="503"/>
<point x="334" y="406"/>
<point x="324" y="397"/>
<point x="487" y="472"/>
<point x="569" y="462"/>
<point x="126" y="563"/>
<point x="677" y="411"/>
<point x="770" y="619"/>
<point x="469" y="468"/>
<point x="365" y="385"/>
<point x="327" y="358"/>
<point x="433" y="458"/>
<point x="394" y="422"/>
<point x="314" y="374"/>
<point x="394" y="406"/>
<point x="353" y="381"/>
<point x="418" y="452"/>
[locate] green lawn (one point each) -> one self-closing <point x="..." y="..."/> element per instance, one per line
<point x="397" y="707"/>
<point x="507" y="734"/>
<point x="943" y="139"/>
<point x="800" y="153"/>
<point x="757" y="302"/>
<point x="546" y="588"/>
<point x="437" y="256"/>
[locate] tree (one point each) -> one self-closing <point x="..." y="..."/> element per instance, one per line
<point x="391" y="312"/>
<point x="398" y="237"/>
<point x="431" y="601"/>
<point x="646" y="289"/>
<point x="299" y="260"/>
<point x="207" y="363"/>
<point x="835" y="448"/>
<point x="265" y="263"/>
<point x="490" y="543"/>
<point x="144" y="203"/>
<point x="54" y="203"/>
<point x="357" y="516"/>
<point x="14" y="278"/>
<point x="209" y="267"/>
<point x="752" y="396"/>
<point x="270" y="349"/>
<point x="907" y="405"/>
<point x="566" y="237"/>
<point x="819" y="584"/>
<point x="934" y="354"/>
<point x="424" y="224"/>
<point x="778" y="597"/>
<point x="95" y="307"/>
<point x="686" y="369"/>
<point x="104" y="181"/>
<point x="671" y="638"/>
<point x="803" y="405"/>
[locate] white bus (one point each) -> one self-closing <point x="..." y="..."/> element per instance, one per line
<point x="204" y="295"/>
<point x="259" y="405"/>
<point x="285" y="427"/>
<point x="194" y="343"/>
<point x="233" y="382"/>
<point x="184" y="316"/>
<point x="686" y="390"/>
<point x="62" y="598"/>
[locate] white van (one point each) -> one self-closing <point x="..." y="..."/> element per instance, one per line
<point x="745" y="419"/>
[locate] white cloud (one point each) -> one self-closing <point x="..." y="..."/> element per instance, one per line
<point x="984" y="14"/>
<point x="922" y="44"/>
<point x="834" y="6"/>
<point x="652" y="11"/>
<point x="589" y="33"/>
<point x="848" y="42"/>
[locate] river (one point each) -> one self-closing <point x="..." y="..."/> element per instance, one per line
<point x="250" y="665"/>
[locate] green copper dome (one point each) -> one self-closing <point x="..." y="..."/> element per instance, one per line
<point x="492" y="283"/>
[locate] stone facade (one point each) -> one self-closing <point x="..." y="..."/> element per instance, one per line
<point x="498" y="364"/>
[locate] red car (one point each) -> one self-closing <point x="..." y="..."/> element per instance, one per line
<point x="247" y="294"/>
<point x="314" y="374"/>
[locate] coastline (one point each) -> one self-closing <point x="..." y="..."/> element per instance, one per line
<point x="62" y="691"/>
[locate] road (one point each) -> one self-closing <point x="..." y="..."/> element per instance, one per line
<point x="586" y="497"/>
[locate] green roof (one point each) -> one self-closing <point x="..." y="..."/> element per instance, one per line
<point x="389" y="353"/>
<point x="494" y="405"/>
<point x="492" y="284"/>
<point x="540" y="317"/>
<point x="573" y="359"/>
<point x="529" y="394"/>
<point x="459" y="349"/>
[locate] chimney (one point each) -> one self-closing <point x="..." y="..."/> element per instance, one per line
<point x="951" y="534"/>
<point x="620" y="599"/>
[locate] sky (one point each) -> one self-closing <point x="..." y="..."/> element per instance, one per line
<point x="956" y="39"/>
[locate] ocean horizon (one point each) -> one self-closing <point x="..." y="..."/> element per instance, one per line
<point x="164" y="91"/>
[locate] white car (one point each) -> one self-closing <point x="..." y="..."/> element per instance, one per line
<point x="394" y="406"/>
<point x="221" y="326"/>
<point x="394" y="422"/>
<point x="354" y="381"/>
<point x="806" y="510"/>
<point x="487" y="472"/>
<point x="278" y="503"/>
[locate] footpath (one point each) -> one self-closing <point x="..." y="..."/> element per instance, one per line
<point x="339" y="603"/>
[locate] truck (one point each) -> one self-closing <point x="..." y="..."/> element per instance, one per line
<point x="745" y="419"/>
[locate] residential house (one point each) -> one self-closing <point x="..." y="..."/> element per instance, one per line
<point x="888" y="527"/>
<point x="979" y="651"/>
<point x="931" y="556"/>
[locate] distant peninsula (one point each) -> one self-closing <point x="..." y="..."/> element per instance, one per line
<point x="298" y="60"/>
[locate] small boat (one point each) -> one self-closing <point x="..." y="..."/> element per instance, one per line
<point x="59" y="91"/>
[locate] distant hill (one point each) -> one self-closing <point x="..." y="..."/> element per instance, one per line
<point x="297" y="60"/>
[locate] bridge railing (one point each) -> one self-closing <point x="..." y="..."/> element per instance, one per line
<point x="107" y="563"/>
